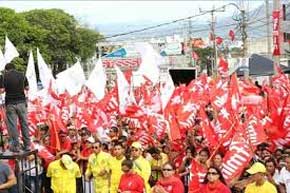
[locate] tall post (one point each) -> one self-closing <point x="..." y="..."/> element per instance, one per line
<point x="214" y="60"/>
<point x="212" y="29"/>
<point x="189" y="42"/>
<point x="276" y="58"/>
<point x="244" y="40"/>
<point x="268" y="29"/>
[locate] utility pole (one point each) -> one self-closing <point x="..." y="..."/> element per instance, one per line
<point x="243" y="28"/>
<point x="244" y="40"/>
<point x="276" y="7"/>
<point x="214" y="58"/>
<point x="214" y="66"/>
<point x="189" y="42"/>
<point x="268" y="28"/>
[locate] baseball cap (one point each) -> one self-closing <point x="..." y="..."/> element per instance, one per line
<point x="257" y="168"/>
<point x="91" y="139"/>
<point x="136" y="145"/>
<point x="67" y="161"/>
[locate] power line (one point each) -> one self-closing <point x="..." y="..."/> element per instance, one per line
<point x="160" y="25"/>
<point x="182" y="28"/>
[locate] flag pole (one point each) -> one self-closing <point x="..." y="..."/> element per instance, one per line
<point x="220" y="143"/>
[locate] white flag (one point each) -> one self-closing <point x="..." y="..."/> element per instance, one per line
<point x="73" y="77"/>
<point x="166" y="90"/>
<point x="97" y="80"/>
<point x="2" y="61"/>
<point x="31" y="76"/>
<point x="150" y="61"/>
<point x="10" y="51"/>
<point x="124" y="96"/>
<point x="45" y="74"/>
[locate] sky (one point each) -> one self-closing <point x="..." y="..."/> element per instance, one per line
<point x="96" y="12"/>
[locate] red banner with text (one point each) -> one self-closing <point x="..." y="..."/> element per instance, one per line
<point x="276" y="33"/>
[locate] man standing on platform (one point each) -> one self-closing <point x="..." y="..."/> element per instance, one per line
<point x="14" y="83"/>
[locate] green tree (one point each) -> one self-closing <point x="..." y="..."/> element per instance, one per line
<point x="57" y="34"/>
<point x="204" y="55"/>
<point x="16" y="28"/>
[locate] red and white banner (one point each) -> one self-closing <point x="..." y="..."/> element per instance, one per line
<point x="237" y="157"/>
<point x="276" y="33"/>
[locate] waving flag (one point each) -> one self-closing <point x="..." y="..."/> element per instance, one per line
<point x="97" y="80"/>
<point x="45" y="73"/>
<point x="166" y="90"/>
<point x="31" y="76"/>
<point x="2" y="61"/>
<point x="232" y="35"/>
<point x="73" y="77"/>
<point x="124" y="94"/>
<point x="150" y="62"/>
<point x="10" y="51"/>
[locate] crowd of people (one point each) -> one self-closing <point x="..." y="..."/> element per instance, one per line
<point x="74" y="159"/>
<point x="85" y="164"/>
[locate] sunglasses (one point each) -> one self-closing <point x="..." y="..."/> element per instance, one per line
<point x="126" y="171"/>
<point x="167" y="169"/>
<point x="212" y="173"/>
<point x="95" y="147"/>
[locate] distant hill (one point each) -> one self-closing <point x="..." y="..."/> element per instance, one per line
<point x="256" y="20"/>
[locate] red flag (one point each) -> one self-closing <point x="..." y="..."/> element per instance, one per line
<point x="255" y="131"/>
<point x="276" y="33"/>
<point x="237" y="157"/>
<point x="194" y="55"/>
<point x="232" y="35"/>
<point x="197" y="174"/>
<point x="55" y="126"/>
<point x="207" y="130"/>
<point x="223" y="67"/>
<point x="173" y="125"/>
<point x="218" y="40"/>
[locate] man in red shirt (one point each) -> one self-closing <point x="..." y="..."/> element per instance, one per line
<point x="65" y="144"/>
<point x="130" y="181"/>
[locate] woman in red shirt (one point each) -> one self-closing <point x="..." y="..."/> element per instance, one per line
<point x="214" y="182"/>
<point x="168" y="183"/>
<point x="130" y="182"/>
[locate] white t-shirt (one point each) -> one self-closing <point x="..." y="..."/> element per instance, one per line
<point x="284" y="178"/>
<point x="276" y="176"/>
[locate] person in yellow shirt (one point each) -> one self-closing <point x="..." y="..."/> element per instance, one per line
<point x="115" y="166"/>
<point x="260" y="184"/>
<point x="157" y="161"/>
<point x="63" y="173"/>
<point x="98" y="167"/>
<point x="141" y="165"/>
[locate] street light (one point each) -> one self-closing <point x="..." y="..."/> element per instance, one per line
<point x="243" y="26"/>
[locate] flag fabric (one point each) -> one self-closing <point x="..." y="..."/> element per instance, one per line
<point x="197" y="175"/>
<point x="31" y="76"/>
<point x="219" y="40"/>
<point x="73" y="77"/>
<point x="97" y="80"/>
<point x="124" y="95"/>
<point x="223" y="67"/>
<point x="232" y="35"/>
<point x="2" y="61"/>
<point x="45" y="74"/>
<point x="237" y="157"/>
<point x="10" y="51"/>
<point x="151" y="60"/>
<point x="166" y="90"/>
